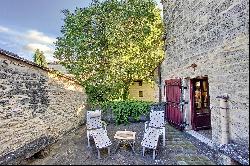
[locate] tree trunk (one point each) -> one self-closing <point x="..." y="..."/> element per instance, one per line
<point x="125" y="91"/>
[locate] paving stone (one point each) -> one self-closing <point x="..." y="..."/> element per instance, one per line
<point x="189" y="147"/>
<point x="209" y="163"/>
<point x="193" y="163"/>
<point x="181" y="163"/>
<point x="203" y="158"/>
<point x="194" y="158"/>
<point x="199" y="163"/>
<point x="182" y="157"/>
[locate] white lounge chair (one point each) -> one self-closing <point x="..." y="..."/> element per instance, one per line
<point x="153" y="129"/>
<point x="97" y="129"/>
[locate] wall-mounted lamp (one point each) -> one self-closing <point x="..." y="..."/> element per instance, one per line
<point x="193" y="66"/>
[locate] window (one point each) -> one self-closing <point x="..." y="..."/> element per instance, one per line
<point x="140" y="94"/>
<point x="140" y="83"/>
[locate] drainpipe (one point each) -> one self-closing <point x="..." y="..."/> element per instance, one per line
<point x="159" y="76"/>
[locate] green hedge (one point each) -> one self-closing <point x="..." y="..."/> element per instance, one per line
<point x="122" y="110"/>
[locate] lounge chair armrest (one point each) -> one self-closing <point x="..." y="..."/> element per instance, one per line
<point x="146" y="125"/>
<point x="104" y="124"/>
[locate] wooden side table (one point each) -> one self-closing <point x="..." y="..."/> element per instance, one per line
<point x="127" y="137"/>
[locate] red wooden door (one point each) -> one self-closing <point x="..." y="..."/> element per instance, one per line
<point x="174" y="114"/>
<point x="201" y="114"/>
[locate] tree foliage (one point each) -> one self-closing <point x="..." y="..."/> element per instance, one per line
<point x="111" y="43"/>
<point x="39" y="58"/>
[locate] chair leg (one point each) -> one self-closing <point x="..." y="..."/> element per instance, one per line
<point x="132" y="146"/>
<point x="164" y="137"/>
<point x="98" y="152"/>
<point x="88" y="138"/>
<point x="109" y="151"/>
<point x="153" y="153"/>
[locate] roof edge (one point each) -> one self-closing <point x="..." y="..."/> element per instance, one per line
<point x="18" y="58"/>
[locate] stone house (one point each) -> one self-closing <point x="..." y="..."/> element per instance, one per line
<point x="206" y="58"/>
<point x="141" y="90"/>
<point x="146" y="91"/>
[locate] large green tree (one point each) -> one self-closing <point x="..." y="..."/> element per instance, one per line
<point x="39" y="58"/>
<point x="111" y="43"/>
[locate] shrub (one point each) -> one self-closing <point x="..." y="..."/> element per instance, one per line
<point x="122" y="110"/>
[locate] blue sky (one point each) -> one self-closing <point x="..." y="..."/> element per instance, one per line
<point x="29" y="24"/>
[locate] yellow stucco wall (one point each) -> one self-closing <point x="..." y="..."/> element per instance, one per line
<point x="147" y="89"/>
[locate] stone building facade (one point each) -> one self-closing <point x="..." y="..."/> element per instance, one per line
<point x="210" y="38"/>
<point x="141" y="90"/>
<point x="37" y="106"/>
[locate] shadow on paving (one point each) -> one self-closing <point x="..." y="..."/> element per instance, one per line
<point x="72" y="149"/>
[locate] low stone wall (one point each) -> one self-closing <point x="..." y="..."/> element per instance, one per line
<point x="36" y="107"/>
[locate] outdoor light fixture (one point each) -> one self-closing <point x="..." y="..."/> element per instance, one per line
<point x="193" y="66"/>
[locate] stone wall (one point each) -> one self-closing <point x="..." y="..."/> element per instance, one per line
<point x="214" y="35"/>
<point x="36" y="108"/>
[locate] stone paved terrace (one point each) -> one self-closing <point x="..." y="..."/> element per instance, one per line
<point x="72" y="149"/>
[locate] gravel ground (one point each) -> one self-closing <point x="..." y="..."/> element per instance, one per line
<point x="72" y="149"/>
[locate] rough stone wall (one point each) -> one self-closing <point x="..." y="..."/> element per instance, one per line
<point x="36" y="108"/>
<point x="214" y="35"/>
